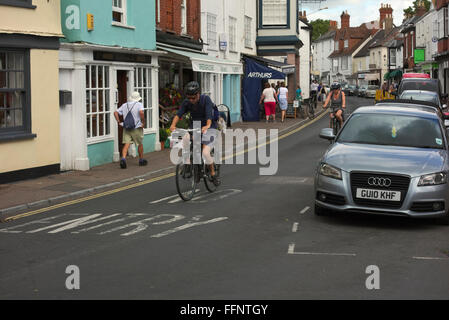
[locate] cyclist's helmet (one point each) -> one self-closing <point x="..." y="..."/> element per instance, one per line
<point x="335" y="86"/>
<point x="192" y="88"/>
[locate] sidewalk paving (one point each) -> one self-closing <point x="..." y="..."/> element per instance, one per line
<point x="23" y="196"/>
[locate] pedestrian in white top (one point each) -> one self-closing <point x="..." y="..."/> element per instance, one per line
<point x="135" y="133"/>
<point x="283" y="94"/>
<point x="269" y="99"/>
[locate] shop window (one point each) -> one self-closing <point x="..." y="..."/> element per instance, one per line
<point x="15" y="106"/>
<point x="206" y="86"/>
<point x="98" y="104"/>
<point x="119" y="11"/>
<point x="143" y="85"/>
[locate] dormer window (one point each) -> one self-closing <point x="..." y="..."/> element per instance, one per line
<point x="337" y="46"/>
<point x="274" y="12"/>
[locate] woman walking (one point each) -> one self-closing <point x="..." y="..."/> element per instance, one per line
<point x="269" y="99"/>
<point x="283" y="94"/>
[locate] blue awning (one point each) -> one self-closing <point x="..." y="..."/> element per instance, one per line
<point x="255" y="70"/>
<point x="255" y="75"/>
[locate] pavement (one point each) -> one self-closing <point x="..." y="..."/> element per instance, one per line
<point x="23" y="196"/>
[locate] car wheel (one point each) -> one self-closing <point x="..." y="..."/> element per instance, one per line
<point x="319" y="211"/>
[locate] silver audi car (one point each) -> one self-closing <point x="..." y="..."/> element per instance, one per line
<point x="387" y="160"/>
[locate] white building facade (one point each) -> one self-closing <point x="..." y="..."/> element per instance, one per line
<point x="322" y="48"/>
<point x="305" y="31"/>
<point x="228" y="29"/>
<point x="427" y="39"/>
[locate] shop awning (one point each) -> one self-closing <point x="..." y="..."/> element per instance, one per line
<point x="371" y="76"/>
<point x="208" y="64"/>
<point x="396" y="74"/>
<point x="387" y="76"/>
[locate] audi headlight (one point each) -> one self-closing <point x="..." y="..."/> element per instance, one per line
<point x="433" y="179"/>
<point x="329" y="171"/>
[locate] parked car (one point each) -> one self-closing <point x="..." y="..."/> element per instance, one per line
<point x="422" y="105"/>
<point x="350" y="89"/>
<point x="371" y="91"/>
<point x="422" y="84"/>
<point x="415" y="76"/>
<point x="387" y="160"/>
<point x="362" y="90"/>
<point x="420" y="95"/>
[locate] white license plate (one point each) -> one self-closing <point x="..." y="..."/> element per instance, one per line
<point x="379" y="195"/>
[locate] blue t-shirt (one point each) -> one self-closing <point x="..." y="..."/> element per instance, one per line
<point x="202" y="111"/>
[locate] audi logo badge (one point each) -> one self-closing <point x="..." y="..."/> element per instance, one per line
<point x="379" y="182"/>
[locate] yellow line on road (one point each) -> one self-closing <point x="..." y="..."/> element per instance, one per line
<point x="139" y="184"/>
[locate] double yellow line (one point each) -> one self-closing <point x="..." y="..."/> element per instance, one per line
<point x="139" y="184"/>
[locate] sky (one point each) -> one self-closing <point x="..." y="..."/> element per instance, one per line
<point x="360" y="10"/>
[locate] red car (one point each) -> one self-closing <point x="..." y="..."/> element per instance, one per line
<point x="416" y="76"/>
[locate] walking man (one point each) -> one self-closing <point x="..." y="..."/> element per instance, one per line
<point x="133" y="125"/>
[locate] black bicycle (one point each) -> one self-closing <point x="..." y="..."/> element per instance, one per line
<point x="312" y="106"/>
<point x="335" y="123"/>
<point x="189" y="174"/>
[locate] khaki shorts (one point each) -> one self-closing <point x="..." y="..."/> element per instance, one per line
<point x="134" y="135"/>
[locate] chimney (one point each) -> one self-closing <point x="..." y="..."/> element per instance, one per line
<point x="345" y="23"/>
<point x="386" y="11"/>
<point x="421" y="9"/>
<point x="333" y="25"/>
<point x="388" y="24"/>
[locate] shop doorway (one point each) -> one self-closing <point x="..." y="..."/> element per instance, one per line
<point x="122" y="89"/>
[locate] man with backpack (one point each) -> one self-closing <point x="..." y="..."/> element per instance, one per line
<point x="202" y="109"/>
<point x="133" y="124"/>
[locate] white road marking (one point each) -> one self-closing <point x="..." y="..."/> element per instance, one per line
<point x="193" y="223"/>
<point x="140" y="225"/>
<point x="40" y="221"/>
<point x="430" y="258"/>
<point x="291" y="250"/>
<point x="68" y="224"/>
<point x="168" y="198"/>
<point x="295" y="227"/>
<point x="305" y="210"/>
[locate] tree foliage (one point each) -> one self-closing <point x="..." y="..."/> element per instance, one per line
<point x="320" y="27"/>
<point x="410" y="11"/>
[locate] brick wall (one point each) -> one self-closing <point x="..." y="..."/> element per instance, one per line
<point x="170" y="17"/>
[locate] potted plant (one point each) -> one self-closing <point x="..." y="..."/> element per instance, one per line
<point x="163" y="135"/>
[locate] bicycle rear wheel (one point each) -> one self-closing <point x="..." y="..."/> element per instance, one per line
<point x="210" y="186"/>
<point x="311" y="110"/>
<point x="185" y="181"/>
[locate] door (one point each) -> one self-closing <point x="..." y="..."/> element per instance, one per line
<point x="122" y="88"/>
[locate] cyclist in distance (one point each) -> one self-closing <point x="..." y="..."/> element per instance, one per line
<point x="338" y="102"/>
<point x="314" y="90"/>
<point x="201" y="109"/>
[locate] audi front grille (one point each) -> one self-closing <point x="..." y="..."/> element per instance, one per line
<point x="398" y="183"/>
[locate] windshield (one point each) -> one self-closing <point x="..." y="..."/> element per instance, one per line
<point x="372" y="87"/>
<point x="420" y="85"/>
<point x="392" y="130"/>
<point x="421" y="96"/>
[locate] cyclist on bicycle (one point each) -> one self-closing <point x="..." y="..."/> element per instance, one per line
<point x="338" y="102"/>
<point x="201" y="109"/>
<point x="314" y="90"/>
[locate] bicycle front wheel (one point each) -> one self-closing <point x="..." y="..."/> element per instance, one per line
<point x="185" y="181"/>
<point x="311" y="110"/>
<point x="210" y="186"/>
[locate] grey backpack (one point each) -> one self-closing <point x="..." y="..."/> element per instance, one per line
<point x="129" y="122"/>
